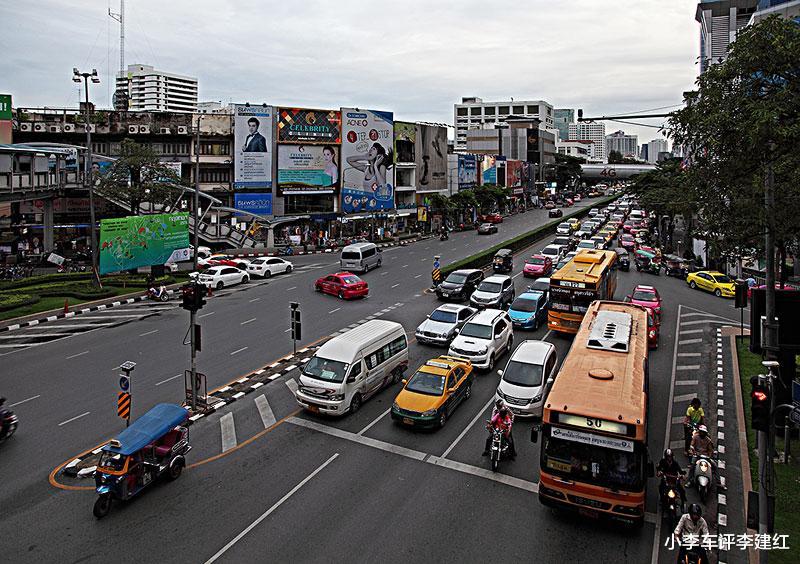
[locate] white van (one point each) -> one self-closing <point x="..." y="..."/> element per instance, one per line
<point x="353" y="366"/>
<point x="360" y="256"/>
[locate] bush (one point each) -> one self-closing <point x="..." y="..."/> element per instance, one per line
<point x="75" y="290"/>
<point x="44" y="279"/>
<point x="15" y="300"/>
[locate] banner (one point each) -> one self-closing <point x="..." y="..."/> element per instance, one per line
<point x="252" y="146"/>
<point x="257" y="203"/>
<point x="488" y="170"/>
<point x="141" y="240"/>
<point x="467" y="172"/>
<point x="514" y="176"/>
<point x="431" y="158"/>
<point x="405" y="136"/>
<point x="368" y="178"/>
<point x="297" y="125"/>
<point x="308" y="169"/>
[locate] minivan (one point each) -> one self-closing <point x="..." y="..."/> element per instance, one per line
<point x="361" y="257"/>
<point x="527" y="378"/>
<point x="353" y="366"/>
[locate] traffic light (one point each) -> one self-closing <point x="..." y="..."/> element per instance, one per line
<point x="199" y="295"/>
<point x="741" y="294"/>
<point x="760" y="404"/>
<point x="194" y="296"/>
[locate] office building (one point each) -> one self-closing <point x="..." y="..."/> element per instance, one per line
<point x="656" y="147"/>
<point x="719" y="22"/>
<point x="626" y="145"/>
<point x="595" y="132"/>
<point x="580" y="148"/>
<point x="789" y="9"/>
<point x="145" y="89"/>
<point x="474" y="113"/>
<point x="563" y="117"/>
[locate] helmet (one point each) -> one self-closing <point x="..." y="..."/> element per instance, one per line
<point x="703" y="429"/>
<point x="503" y="411"/>
<point x="695" y="510"/>
<point x="668" y="453"/>
<point x="499" y="404"/>
<point x="695" y="401"/>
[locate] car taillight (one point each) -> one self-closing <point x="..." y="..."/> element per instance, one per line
<point x="652" y="333"/>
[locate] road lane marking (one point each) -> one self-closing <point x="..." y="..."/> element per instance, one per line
<point x="384" y="273"/>
<point x="467" y="428"/>
<point x="289" y="329"/>
<point x="148" y="333"/>
<point x="168" y="379"/>
<point x="690" y="341"/>
<point x="77" y="355"/>
<point x="269" y="511"/>
<point x="395" y="285"/>
<point x="418" y="276"/>
<point x="292" y="288"/>
<point x="228" y="431"/>
<point x="248" y="321"/>
<point x="378" y="418"/>
<point x="517" y="274"/>
<point x="254" y="300"/>
<point x="23" y="401"/>
<point x="74" y="418"/>
<point x="688" y="367"/>
<point x="405" y="266"/>
<point x="291" y="383"/>
<point x="237" y="351"/>
<point x="690" y="354"/>
<point x="334" y="310"/>
<point x="265" y="411"/>
<point x="207" y="314"/>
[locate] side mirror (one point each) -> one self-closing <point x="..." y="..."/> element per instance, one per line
<point x="451" y="390"/>
<point x="404" y="381"/>
<point x="500" y="372"/>
<point x="428" y="316"/>
<point x="627" y="299"/>
<point x="535" y="434"/>
<point x="550" y="381"/>
<point x="456" y="331"/>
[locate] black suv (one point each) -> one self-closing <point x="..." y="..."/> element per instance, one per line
<point x="460" y="284"/>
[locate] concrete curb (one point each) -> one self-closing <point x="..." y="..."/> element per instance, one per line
<point x="329" y="251"/>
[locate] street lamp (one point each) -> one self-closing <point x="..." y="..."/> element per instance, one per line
<point x="77" y="76"/>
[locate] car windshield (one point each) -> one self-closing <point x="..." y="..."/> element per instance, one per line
<point x="627" y="237"/>
<point x="456" y="278"/>
<point x="643" y="296"/>
<point x="112" y="461"/>
<point x="486" y="226"/>
<point x="352" y="279"/>
<point x="561" y="241"/>
<point x="325" y="369"/>
<point x="535" y="260"/>
<point x="259" y="261"/>
<point x="723" y="279"/>
<point x="543" y="285"/>
<point x="476" y="330"/>
<point x="491" y="287"/>
<point x="586" y="244"/>
<point x="549" y="251"/>
<point x="443" y="316"/>
<point x="523" y="374"/>
<point x="351" y="255"/>
<point x="527" y="305"/>
<point x="426" y="383"/>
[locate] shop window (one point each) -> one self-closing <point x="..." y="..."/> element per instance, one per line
<point x="308" y="203"/>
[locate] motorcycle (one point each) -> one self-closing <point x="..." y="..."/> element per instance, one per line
<point x="287" y="252"/>
<point x="444" y="236"/>
<point x="689" y="429"/>
<point x="499" y="447"/>
<point x="159" y="294"/>
<point x="671" y="502"/>
<point x="8" y="424"/>
<point x="703" y="476"/>
<point x="693" y="556"/>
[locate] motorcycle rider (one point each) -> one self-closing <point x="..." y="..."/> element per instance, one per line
<point x="668" y="466"/>
<point x="694" y="416"/>
<point x="501" y="420"/>
<point x="692" y="523"/>
<point x="701" y="445"/>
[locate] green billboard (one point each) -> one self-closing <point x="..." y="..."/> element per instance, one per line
<point x="5" y="107"/>
<point x="143" y="240"/>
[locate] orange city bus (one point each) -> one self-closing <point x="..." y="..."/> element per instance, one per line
<point x="590" y="275"/>
<point x="594" y="425"/>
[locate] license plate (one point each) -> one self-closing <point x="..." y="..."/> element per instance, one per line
<point x="408" y="421"/>
<point x="445" y="293"/>
<point x="593" y="513"/>
<point x="313" y="409"/>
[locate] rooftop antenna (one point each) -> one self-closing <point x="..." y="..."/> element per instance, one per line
<point x="120" y="17"/>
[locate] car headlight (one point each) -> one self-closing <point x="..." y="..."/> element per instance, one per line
<point x="671" y="494"/>
<point x="537" y="398"/>
<point x="337" y="397"/>
<point x="429" y="413"/>
<point x="500" y="394"/>
<point x="395" y="406"/>
<point x="483" y="350"/>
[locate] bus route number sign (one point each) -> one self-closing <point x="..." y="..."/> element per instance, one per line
<point x="593" y="423"/>
<point x="568" y="284"/>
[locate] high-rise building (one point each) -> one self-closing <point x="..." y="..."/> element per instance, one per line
<point x="654" y="147"/>
<point x="595" y="132"/>
<point x="626" y="145"/>
<point x="474" y="113"/>
<point x="789" y="9"/>
<point x="145" y="89"/>
<point x="719" y="21"/>
<point x="564" y="117"/>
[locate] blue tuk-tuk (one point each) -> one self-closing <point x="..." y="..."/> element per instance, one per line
<point x="154" y="445"/>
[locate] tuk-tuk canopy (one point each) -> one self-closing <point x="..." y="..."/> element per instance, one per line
<point x="149" y="427"/>
<point x="645" y="254"/>
<point x="504" y="253"/>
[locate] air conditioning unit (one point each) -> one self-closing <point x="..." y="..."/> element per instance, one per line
<point x="132" y="129"/>
<point x="26" y="127"/>
<point x="183" y="130"/>
<point x="55" y="129"/>
<point x="39" y="127"/>
<point x="165" y="131"/>
<point x="69" y="128"/>
<point x="144" y="129"/>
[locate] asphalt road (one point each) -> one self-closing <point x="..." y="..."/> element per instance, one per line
<point x="313" y="489"/>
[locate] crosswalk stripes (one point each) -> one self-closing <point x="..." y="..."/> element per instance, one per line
<point x="228" y="431"/>
<point x="265" y="411"/>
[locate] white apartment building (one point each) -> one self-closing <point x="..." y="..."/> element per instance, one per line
<point x="146" y="89"/>
<point x="595" y="132"/>
<point x="626" y="145"/>
<point x="655" y="147"/>
<point x="581" y="148"/>
<point x="474" y="113"/>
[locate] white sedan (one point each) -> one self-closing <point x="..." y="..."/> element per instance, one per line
<point x="219" y="277"/>
<point x="266" y="267"/>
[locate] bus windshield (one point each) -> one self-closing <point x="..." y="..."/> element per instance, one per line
<point x="571" y="301"/>
<point x="602" y="466"/>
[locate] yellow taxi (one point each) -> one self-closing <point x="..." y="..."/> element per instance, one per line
<point x="721" y="285"/>
<point x="574" y="223"/>
<point x="608" y="234"/>
<point x="433" y="392"/>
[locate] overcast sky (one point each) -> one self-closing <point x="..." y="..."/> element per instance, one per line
<point x="416" y="57"/>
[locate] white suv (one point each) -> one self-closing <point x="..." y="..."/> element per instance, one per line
<point x="528" y="377"/>
<point x="484" y="338"/>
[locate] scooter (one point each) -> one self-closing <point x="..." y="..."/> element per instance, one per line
<point x="703" y="476"/>
<point x="671" y="502"/>
<point x="159" y="295"/>
<point x="444" y="236"/>
<point x="8" y="424"/>
<point x="499" y="448"/>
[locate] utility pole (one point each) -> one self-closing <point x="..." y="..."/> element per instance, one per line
<point x="88" y="178"/>
<point x="770" y="329"/>
<point x="196" y="217"/>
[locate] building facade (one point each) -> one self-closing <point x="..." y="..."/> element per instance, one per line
<point x="580" y="148"/>
<point x="719" y="21"/>
<point x="626" y="145"/>
<point x="474" y="113"/>
<point x="563" y="118"/>
<point x="595" y="132"/>
<point x="654" y="148"/>
<point x="789" y="9"/>
<point x="144" y="89"/>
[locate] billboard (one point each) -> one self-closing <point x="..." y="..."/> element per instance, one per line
<point x="297" y="125"/>
<point x="253" y="202"/>
<point x="488" y="170"/>
<point x="5" y="107"/>
<point x="514" y="176"/>
<point x="368" y="175"/>
<point x="308" y="169"/>
<point x="467" y="172"/>
<point x="431" y="157"/>
<point x="142" y="240"/>
<point x="405" y="136"/>
<point x="252" y="146"/>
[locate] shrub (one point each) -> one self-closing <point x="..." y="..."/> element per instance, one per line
<point x="15" y="300"/>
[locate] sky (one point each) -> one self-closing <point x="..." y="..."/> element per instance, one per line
<point x="416" y="57"/>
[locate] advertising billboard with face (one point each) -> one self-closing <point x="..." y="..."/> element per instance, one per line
<point x="467" y="172"/>
<point x="308" y="169"/>
<point x="431" y="157"/>
<point x="298" y="125"/>
<point x="252" y="140"/>
<point x="368" y="177"/>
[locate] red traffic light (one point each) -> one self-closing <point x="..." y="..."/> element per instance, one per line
<point x="759" y="395"/>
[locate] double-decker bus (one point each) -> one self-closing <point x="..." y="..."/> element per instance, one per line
<point x="590" y="275"/>
<point x="594" y="425"/>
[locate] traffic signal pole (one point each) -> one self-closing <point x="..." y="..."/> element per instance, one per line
<point x="192" y="346"/>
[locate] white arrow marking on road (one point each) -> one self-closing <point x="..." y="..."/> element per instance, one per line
<point x="228" y="432"/>
<point x="265" y="411"/>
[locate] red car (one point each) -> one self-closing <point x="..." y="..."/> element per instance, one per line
<point x="568" y="202"/>
<point x="787" y="286"/>
<point x="345" y="285"/>
<point x="653" y="329"/>
<point x="626" y="227"/>
<point x="647" y="296"/>
<point x="220" y="260"/>
<point x="627" y="242"/>
<point x="490" y="218"/>
<point x="537" y="266"/>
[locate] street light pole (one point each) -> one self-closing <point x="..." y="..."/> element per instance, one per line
<point x="88" y="176"/>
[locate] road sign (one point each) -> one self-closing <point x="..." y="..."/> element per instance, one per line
<point x="124" y="383"/>
<point x="124" y="405"/>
